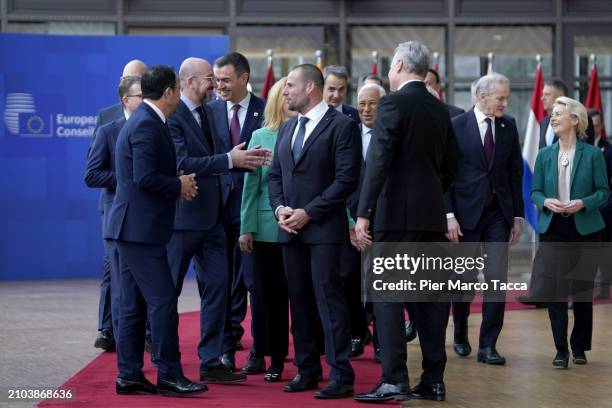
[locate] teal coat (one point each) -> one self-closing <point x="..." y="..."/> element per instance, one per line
<point x="589" y="183"/>
<point x="256" y="215"/>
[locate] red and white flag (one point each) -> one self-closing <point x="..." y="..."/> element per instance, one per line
<point x="268" y="81"/>
<point x="593" y="99"/>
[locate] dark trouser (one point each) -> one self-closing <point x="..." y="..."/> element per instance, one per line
<point x="605" y="261"/>
<point x="239" y="267"/>
<point x="350" y="270"/>
<point x="570" y="270"/>
<point x="315" y="289"/>
<point x="431" y="319"/>
<point x="110" y="251"/>
<point x="146" y="283"/>
<point x="492" y="228"/>
<point x="105" y="304"/>
<point x="270" y="302"/>
<point x="208" y="249"/>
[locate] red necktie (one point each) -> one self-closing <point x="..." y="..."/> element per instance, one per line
<point x="235" y="126"/>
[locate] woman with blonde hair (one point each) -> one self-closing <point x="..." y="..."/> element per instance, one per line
<point x="258" y="235"/>
<point x="569" y="186"/>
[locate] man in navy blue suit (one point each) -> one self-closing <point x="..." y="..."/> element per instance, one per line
<point x="100" y="173"/>
<point x="141" y="221"/>
<point x="485" y="204"/>
<point x="105" y="339"/>
<point x="336" y="85"/>
<point x="314" y="171"/>
<point x="198" y="226"/>
<point x="236" y="115"/>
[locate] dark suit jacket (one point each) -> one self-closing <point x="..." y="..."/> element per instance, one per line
<point x="412" y="159"/>
<point x="453" y="110"/>
<point x="351" y="112"/>
<point x="100" y="171"/>
<point x="323" y="178"/>
<point x="221" y="131"/>
<point x="353" y="201"/>
<point x="503" y="176"/>
<point x="194" y="154"/>
<point x="108" y="115"/>
<point x="147" y="183"/>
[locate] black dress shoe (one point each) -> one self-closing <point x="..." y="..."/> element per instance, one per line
<point x="105" y="340"/>
<point x="578" y="357"/>
<point x="561" y="359"/>
<point x="357" y="347"/>
<point x="385" y="392"/>
<point x="229" y="361"/>
<point x="273" y="374"/>
<point x="255" y="365"/>
<point x="433" y="392"/>
<point x="128" y="387"/>
<point x="489" y="355"/>
<point x="530" y="301"/>
<point x="180" y="388"/>
<point x="221" y="374"/>
<point x="462" y="348"/>
<point x="334" y="390"/>
<point x="302" y="383"/>
<point x="411" y="331"/>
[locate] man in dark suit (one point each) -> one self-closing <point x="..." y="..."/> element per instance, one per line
<point x="140" y="221"/>
<point x="485" y="204"/>
<point x="198" y="226"/>
<point x="432" y="79"/>
<point x="236" y="115"/>
<point x="336" y="85"/>
<point x="314" y="171"/>
<point x="367" y="103"/>
<point x="105" y="339"/>
<point x="412" y="160"/>
<point x="100" y="173"/>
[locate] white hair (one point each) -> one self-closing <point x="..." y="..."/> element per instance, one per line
<point x="485" y="84"/>
<point x="414" y="56"/>
<point x="380" y="89"/>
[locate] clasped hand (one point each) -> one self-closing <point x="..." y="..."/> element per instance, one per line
<point x="292" y="220"/>
<point x="568" y="208"/>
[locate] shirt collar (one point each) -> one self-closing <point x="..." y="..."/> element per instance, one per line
<point x="316" y="113"/>
<point x="480" y="117"/>
<point x="126" y="114"/>
<point x="407" y="82"/>
<point x="365" y="129"/>
<point x="192" y="106"/>
<point x="339" y="108"/>
<point x="243" y="103"/>
<point x="156" y="109"/>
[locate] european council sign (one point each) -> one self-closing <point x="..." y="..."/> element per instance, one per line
<point x="51" y="88"/>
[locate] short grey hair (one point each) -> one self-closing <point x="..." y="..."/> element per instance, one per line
<point x="485" y="84"/>
<point x="335" y="70"/>
<point x="414" y="56"/>
<point x="366" y="87"/>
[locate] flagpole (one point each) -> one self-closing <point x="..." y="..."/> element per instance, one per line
<point x="534" y="235"/>
<point x="490" y="57"/>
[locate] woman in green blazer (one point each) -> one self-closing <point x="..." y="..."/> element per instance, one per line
<point x="569" y="185"/>
<point x="258" y="235"/>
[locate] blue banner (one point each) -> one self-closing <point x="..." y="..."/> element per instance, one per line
<point x="51" y="88"/>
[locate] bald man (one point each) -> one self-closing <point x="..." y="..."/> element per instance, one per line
<point x="198" y="228"/>
<point x="105" y="338"/>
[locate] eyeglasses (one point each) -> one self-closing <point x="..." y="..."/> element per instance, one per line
<point x="208" y="78"/>
<point x="134" y="96"/>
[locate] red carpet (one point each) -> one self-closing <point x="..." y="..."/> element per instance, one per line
<point x="93" y="386"/>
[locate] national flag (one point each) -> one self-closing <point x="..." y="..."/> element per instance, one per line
<point x="593" y="99"/>
<point x="531" y="145"/>
<point x="268" y="81"/>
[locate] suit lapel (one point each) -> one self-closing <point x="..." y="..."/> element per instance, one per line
<point x="252" y="116"/>
<point x="316" y="132"/>
<point x="577" y="157"/>
<point x="191" y="122"/>
<point x="223" y="132"/>
<point x="286" y="142"/>
<point x="474" y="132"/>
<point x="500" y="133"/>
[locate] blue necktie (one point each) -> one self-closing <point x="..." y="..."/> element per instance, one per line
<point x="298" y="143"/>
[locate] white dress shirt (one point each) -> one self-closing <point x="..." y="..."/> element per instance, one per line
<point x="366" y="136"/>
<point x="315" y="115"/>
<point x="482" y="125"/>
<point x="156" y="109"/>
<point x="242" y="112"/>
<point x="550" y="135"/>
